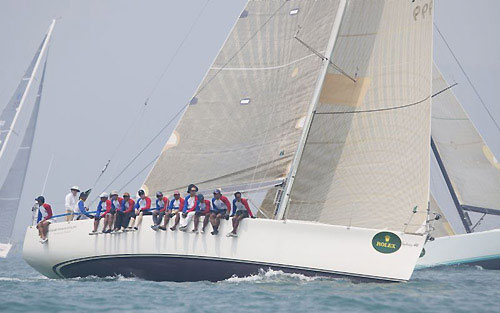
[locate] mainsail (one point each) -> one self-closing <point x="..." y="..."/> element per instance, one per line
<point x="14" y="152"/>
<point x="365" y="161"/>
<point x="9" y="128"/>
<point x="11" y="190"/>
<point x="473" y="169"/>
<point x="246" y="118"/>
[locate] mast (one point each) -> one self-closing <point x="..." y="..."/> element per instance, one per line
<point x="450" y="186"/>
<point x="312" y="108"/>
<point x="28" y="86"/>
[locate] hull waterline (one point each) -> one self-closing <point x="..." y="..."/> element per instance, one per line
<point x="293" y="247"/>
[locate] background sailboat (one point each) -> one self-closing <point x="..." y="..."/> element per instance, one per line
<point x="15" y="154"/>
<point x="472" y="176"/>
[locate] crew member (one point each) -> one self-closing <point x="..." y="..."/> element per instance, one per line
<point x="128" y="211"/>
<point x="191" y="205"/>
<point x="43" y="220"/>
<point x="142" y="207"/>
<point x="115" y="206"/>
<point x="221" y="208"/>
<point x="203" y="210"/>
<point x="173" y="209"/>
<point x="103" y="209"/>
<point x="159" y="210"/>
<point x="241" y="210"/>
<point x="70" y="202"/>
<point x="82" y="210"/>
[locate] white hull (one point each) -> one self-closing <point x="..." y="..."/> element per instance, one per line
<point x="481" y="248"/>
<point x="291" y="246"/>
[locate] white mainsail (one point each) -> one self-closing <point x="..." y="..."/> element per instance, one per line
<point x="472" y="167"/>
<point x="365" y="161"/>
<point x="245" y="121"/>
<point x="11" y="186"/>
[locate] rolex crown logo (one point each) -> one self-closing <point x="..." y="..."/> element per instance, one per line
<point x="387" y="238"/>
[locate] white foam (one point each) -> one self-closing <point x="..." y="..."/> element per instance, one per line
<point x="271" y="275"/>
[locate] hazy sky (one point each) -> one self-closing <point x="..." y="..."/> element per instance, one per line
<point x="106" y="57"/>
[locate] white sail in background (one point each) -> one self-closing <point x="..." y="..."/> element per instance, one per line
<point x="9" y="126"/>
<point x="17" y="155"/>
<point x="441" y="227"/>
<point x="472" y="167"/>
<point x="244" y="124"/>
<point x="366" y="158"/>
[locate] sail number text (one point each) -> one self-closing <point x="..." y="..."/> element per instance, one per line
<point x="422" y="11"/>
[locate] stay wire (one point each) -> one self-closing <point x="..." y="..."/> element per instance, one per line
<point x="196" y="94"/>
<point x="142" y="110"/>
<point x="171" y="61"/>
<point x="467" y="77"/>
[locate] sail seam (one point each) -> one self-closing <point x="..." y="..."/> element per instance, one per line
<point x="263" y="68"/>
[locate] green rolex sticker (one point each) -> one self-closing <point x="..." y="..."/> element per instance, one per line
<point x="386" y="242"/>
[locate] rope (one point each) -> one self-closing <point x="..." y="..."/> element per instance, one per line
<point x="378" y="110"/>
<point x="467" y="77"/>
<point x="196" y="94"/>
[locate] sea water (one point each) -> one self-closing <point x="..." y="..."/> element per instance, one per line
<point x="451" y="289"/>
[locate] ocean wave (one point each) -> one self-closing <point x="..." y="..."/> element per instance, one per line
<point x="107" y="278"/>
<point x="270" y="275"/>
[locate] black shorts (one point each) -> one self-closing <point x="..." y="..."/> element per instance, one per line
<point x="199" y="213"/>
<point x="112" y="211"/>
<point x="243" y="214"/>
<point x="147" y="212"/>
<point x="130" y="214"/>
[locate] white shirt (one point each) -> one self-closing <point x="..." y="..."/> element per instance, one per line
<point x="70" y="202"/>
<point x="190" y="202"/>
<point x="177" y="203"/>
<point x="220" y="204"/>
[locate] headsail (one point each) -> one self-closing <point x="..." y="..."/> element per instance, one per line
<point x="473" y="169"/>
<point x="244" y="124"/>
<point x="366" y="158"/>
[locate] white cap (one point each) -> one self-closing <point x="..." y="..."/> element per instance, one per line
<point x="103" y="195"/>
<point x="75" y="188"/>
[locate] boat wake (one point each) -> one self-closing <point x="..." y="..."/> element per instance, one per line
<point x="270" y="275"/>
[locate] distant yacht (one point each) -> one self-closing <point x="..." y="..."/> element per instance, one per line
<point x="16" y="139"/>
<point x="472" y="176"/>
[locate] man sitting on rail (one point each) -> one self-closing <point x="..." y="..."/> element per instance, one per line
<point x="82" y="210"/>
<point x="173" y="209"/>
<point x="103" y="209"/>
<point x="191" y="205"/>
<point x="159" y="211"/>
<point x="220" y="209"/>
<point x="128" y="210"/>
<point x="120" y="211"/>
<point x="241" y="210"/>
<point x="115" y="206"/>
<point x="43" y="219"/>
<point x="203" y="210"/>
<point x="142" y="207"/>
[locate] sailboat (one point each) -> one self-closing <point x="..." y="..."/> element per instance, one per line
<point x="472" y="176"/>
<point x="14" y="152"/>
<point x="322" y="106"/>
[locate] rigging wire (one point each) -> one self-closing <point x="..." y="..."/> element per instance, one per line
<point x="467" y="77"/>
<point x="196" y="94"/>
<point x="142" y="109"/>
